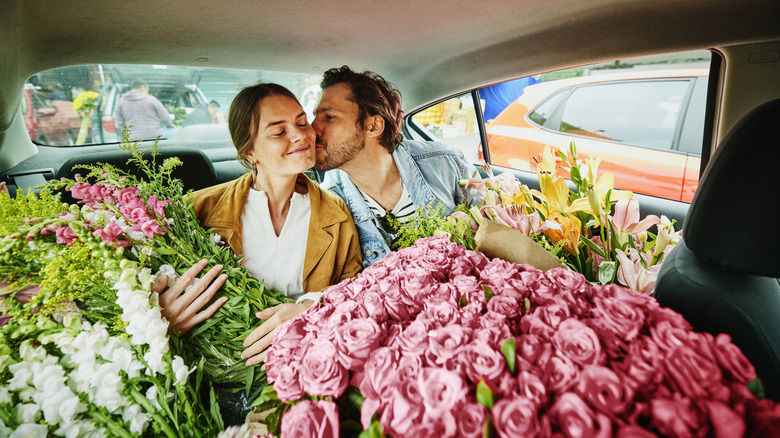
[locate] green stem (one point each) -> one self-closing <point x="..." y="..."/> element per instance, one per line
<point x="115" y="429"/>
<point x="148" y="407"/>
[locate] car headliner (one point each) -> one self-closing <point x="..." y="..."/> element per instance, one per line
<point x="429" y="49"/>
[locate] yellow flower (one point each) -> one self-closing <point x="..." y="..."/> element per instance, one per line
<point x="569" y="232"/>
<point x="88" y="95"/>
<point x="545" y="167"/>
<point x="556" y="198"/>
<point x="77" y="103"/>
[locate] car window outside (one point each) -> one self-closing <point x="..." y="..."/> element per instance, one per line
<point x="453" y="122"/>
<point x="181" y="90"/>
<point x="642" y="117"/>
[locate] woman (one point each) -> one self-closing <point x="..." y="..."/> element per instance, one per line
<point x="295" y="236"/>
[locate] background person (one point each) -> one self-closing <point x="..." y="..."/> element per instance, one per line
<point x="359" y="143"/>
<point x="143" y="112"/>
<point x="203" y="114"/>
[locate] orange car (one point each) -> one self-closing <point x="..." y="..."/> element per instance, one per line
<point x="645" y="126"/>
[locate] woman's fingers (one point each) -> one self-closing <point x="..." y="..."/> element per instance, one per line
<point x="183" y="307"/>
<point x="202" y="315"/>
<point x="255" y="352"/>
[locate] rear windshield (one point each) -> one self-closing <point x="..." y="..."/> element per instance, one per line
<point x="92" y="104"/>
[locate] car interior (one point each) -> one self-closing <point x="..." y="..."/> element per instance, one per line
<point x="434" y="52"/>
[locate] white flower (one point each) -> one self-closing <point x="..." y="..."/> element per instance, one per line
<point x="27" y="413"/>
<point x="170" y="272"/>
<point x="137" y="418"/>
<point x="5" y="397"/>
<point x="151" y="395"/>
<point x="22" y="372"/>
<point x="32" y="245"/>
<point x="61" y="406"/>
<point x="109" y="386"/>
<point x="76" y="429"/>
<point x="30" y="430"/>
<point x="180" y="370"/>
<point x="31" y="353"/>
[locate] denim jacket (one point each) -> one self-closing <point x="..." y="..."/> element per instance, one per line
<point x="430" y="171"/>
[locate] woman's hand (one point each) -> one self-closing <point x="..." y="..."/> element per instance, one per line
<point x="260" y="339"/>
<point x="183" y="309"/>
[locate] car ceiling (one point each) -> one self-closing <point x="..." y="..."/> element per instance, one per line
<point x="429" y="49"/>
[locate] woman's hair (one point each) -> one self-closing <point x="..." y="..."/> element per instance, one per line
<point x="374" y="96"/>
<point x="244" y="116"/>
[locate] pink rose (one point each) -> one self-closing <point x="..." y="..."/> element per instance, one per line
<point x="725" y="422"/>
<point x="657" y="315"/>
<point x="523" y="284"/>
<point x="732" y="360"/>
<point x="551" y="315"/>
<point x="380" y="373"/>
<point x="533" y="350"/>
<point x="498" y="271"/>
<point x="617" y="320"/>
<point x="481" y="361"/>
<point x="444" y="346"/>
<point x="471" y="420"/>
<point x="311" y="419"/>
<point x="356" y="340"/>
<point x="397" y="309"/>
<point x="692" y="373"/>
<point x="571" y="281"/>
<point x="434" y="425"/>
<point x="408" y="368"/>
<point x="441" y="390"/>
<point x="373" y="302"/>
<point x="283" y="373"/>
<point x="403" y="409"/>
<point x="439" y="314"/>
<point x="641" y="362"/>
<point x="531" y="387"/>
<point x="560" y="373"/>
<point x="576" y="419"/>
<point x="604" y="389"/>
<point x="516" y="417"/>
<point x="413" y="341"/>
<point x="676" y="416"/>
<point x="634" y="431"/>
<point x="505" y="305"/>
<point x="321" y="372"/>
<point x="578" y="342"/>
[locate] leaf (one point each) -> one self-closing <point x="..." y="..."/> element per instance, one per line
<point x="463" y="301"/>
<point x="607" y="272"/>
<point x="488" y="292"/>
<point x="374" y="430"/>
<point x="508" y="348"/>
<point x="592" y="246"/>
<point x="250" y="378"/>
<point x="527" y="305"/>
<point x="485" y="395"/>
<point x="489" y="431"/>
<point x="757" y="388"/>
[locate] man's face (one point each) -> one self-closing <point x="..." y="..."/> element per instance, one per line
<point x="339" y="139"/>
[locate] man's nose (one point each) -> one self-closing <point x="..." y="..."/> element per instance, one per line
<point x="317" y="126"/>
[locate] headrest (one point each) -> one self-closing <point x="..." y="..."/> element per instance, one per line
<point x="734" y="218"/>
<point x="196" y="173"/>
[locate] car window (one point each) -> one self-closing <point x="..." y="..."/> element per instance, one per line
<point x="90" y="95"/>
<point x="642" y="117"/>
<point x="452" y="122"/>
<point x="643" y="113"/>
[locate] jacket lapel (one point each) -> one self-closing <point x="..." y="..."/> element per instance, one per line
<point x="320" y="235"/>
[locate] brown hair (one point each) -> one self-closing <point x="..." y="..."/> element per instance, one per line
<point x="374" y="96"/>
<point x="244" y="116"/>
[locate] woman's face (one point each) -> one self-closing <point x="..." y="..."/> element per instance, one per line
<point x="284" y="144"/>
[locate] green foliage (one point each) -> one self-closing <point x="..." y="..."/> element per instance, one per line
<point x="430" y="221"/>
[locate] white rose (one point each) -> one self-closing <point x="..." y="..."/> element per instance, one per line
<point x="30" y="430"/>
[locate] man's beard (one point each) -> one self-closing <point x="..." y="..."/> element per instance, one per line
<point x="338" y="154"/>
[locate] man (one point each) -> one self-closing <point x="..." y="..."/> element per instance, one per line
<point x="359" y="143"/>
<point x="203" y="114"/>
<point x="142" y="112"/>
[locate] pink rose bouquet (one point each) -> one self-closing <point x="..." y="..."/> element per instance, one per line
<point x="437" y="340"/>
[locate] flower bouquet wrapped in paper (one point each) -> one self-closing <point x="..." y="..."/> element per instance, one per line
<point x="439" y="341"/>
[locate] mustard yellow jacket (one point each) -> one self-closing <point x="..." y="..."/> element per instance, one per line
<point x="332" y="251"/>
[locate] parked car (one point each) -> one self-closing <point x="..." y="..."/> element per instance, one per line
<point x="46" y="122"/>
<point x="646" y="127"/>
<point x="176" y="88"/>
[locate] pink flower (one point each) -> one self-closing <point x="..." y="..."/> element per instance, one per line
<point x="481" y="361"/>
<point x="439" y="314"/>
<point x="284" y="374"/>
<point x="413" y="341"/>
<point x="109" y="233"/>
<point x="471" y="420"/>
<point x="560" y="373"/>
<point x="531" y="387"/>
<point x="441" y="390"/>
<point x="516" y="417"/>
<point x="65" y="235"/>
<point x="676" y="416"/>
<point x="356" y="340"/>
<point x="574" y="418"/>
<point x="311" y="419"/>
<point x="444" y="345"/>
<point x="157" y="206"/>
<point x="404" y="408"/>
<point x="633" y="274"/>
<point x="604" y="389"/>
<point x="732" y="360"/>
<point x="578" y="342"/>
<point x="149" y="228"/>
<point x="321" y="373"/>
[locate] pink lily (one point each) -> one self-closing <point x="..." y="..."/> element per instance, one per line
<point x="632" y="273"/>
<point x="626" y="219"/>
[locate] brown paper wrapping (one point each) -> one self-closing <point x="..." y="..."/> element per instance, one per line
<point x="497" y="240"/>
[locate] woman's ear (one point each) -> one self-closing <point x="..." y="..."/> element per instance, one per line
<point x="375" y="125"/>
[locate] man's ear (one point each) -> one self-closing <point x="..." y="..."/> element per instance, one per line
<point x="375" y="126"/>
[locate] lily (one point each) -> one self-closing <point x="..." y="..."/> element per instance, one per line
<point x="633" y="274"/>
<point x="625" y="221"/>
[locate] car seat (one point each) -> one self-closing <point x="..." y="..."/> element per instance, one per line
<point x="196" y="173"/>
<point x="723" y="275"/>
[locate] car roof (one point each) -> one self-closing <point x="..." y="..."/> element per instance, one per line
<point x="428" y="48"/>
<point x="535" y="93"/>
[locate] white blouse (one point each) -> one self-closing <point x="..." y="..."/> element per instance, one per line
<point x="277" y="260"/>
